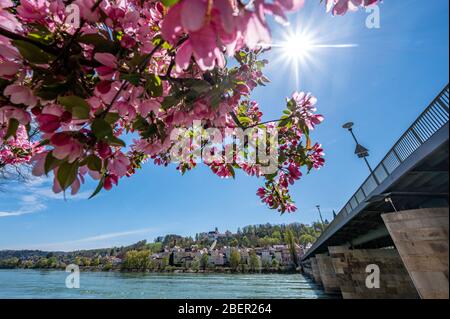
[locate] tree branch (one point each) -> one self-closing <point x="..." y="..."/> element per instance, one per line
<point x="15" y="36"/>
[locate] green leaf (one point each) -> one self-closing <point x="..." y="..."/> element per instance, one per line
<point x="94" y="163"/>
<point x="13" y="125"/>
<point x="154" y="85"/>
<point x="168" y="102"/>
<point x="132" y="78"/>
<point x="151" y="130"/>
<point x="51" y="91"/>
<point x="101" y="129"/>
<point x="199" y="86"/>
<point x="112" y="118"/>
<point x="99" y="187"/>
<point x="41" y="33"/>
<point x="136" y="60"/>
<point x="32" y="53"/>
<point x="291" y="105"/>
<point x="232" y="171"/>
<point x="75" y="105"/>
<point x="114" y="141"/>
<point x="285" y="122"/>
<point x="101" y="43"/>
<point x="244" y="120"/>
<point x="140" y="123"/>
<point x="215" y="98"/>
<point x="50" y="163"/>
<point x="67" y="173"/>
<point x="169" y="3"/>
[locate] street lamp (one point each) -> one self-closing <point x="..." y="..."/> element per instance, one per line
<point x="360" y="150"/>
<point x="320" y="215"/>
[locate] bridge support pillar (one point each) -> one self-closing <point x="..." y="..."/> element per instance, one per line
<point x="351" y="268"/>
<point x="328" y="276"/>
<point x="421" y="237"/>
<point x="315" y="270"/>
<point x="306" y="268"/>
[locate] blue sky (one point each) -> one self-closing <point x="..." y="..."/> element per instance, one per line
<point x="382" y="85"/>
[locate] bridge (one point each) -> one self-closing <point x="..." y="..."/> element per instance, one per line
<point x="397" y="218"/>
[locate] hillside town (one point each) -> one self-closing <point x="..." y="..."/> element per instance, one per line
<point x="262" y="248"/>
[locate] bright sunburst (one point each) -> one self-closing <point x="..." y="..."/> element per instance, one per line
<point x="299" y="48"/>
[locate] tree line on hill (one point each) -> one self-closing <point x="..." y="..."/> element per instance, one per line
<point x="136" y="256"/>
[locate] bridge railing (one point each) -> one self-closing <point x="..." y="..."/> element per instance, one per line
<point x="435" y="116"/>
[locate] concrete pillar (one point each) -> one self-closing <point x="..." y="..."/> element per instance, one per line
<point x="306" y="267"/>
<point x="328" y="277"/>
<point x="421" y="237"/>
<point x="350" y="267"/>
<point x="315" y="270"/>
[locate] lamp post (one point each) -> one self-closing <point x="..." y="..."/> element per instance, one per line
<point x="320" y="215"/>
<point x="360" y="150"/>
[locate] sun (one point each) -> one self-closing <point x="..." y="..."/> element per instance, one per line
<point x="298" y="46"/>
<point x="301" y="49"/>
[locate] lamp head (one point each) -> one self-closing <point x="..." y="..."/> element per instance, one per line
<point x="348" y="125"/>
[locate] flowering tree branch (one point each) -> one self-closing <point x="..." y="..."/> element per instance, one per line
<point x="145" y="68"/>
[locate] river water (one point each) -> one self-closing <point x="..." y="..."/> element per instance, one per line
<point x="105" y="285"/>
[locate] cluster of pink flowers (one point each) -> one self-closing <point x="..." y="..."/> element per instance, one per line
<point x="340" y="7"/>
<point x="212" y="26"/>
<point x="16" y="149"/>
<point x="140" y="67"/>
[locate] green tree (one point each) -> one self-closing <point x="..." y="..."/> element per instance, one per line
<point x="234" y="242"/>
<point x="13" y="262"/>
<point x="254" y="261"/>
<point x="277" y="235"/>
<point x="136" y="260"/>
<point x="235" y="259"/>
<point x="164" y="262"/>
<point x="42" y="263"/>
<point x="204" y="261"/>
<point x="275" y="264"/>
<point x="195" y="265"/>
<point x="52" y="262"/>
<point x="95" y="262"/>
<point x="306" y="239"/>
<point x="107" y="266"/>
<point x="290" y="241"/>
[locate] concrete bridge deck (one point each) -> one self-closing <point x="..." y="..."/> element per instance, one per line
<point x="391" y="238"/>
<point x="414" y="174"/>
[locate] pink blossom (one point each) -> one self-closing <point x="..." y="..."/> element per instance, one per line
<point x="7" y="20"/>
<point x="11" y="112"/>
<point x="8" y="68"/>
<point x="103" y="149"/>
<point x="75" y="186"/>
<point x="33" y="10"/>
<point x="106" y="59"/>
<point x="340" y="7"/>
<point x="86" y="10"/>
<point x="212" y="28"/>
<point x="66" y="147"/>
<point x="39" y="164"/>
<point x="148" y="106"/>
<point x="119" y="164"/>
<point x="20" y="94"/>
<point x="52" y="117"/>
<point x="109" y="181"/>
<point x="7" y="50"/>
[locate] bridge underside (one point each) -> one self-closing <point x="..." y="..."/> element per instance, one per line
<point x="424" y="186"/>
<point x="397" y="221"/>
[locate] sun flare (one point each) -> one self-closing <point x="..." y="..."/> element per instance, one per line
<point x="298" y="46"/>
<point x="300" y="49"/>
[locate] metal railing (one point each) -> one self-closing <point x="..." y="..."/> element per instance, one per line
<point x="435" y="116"/>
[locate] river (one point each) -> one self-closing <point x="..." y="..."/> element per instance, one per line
<point x="116" y="285"/>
